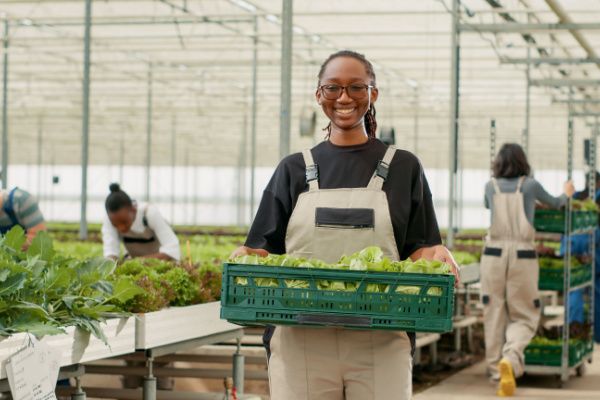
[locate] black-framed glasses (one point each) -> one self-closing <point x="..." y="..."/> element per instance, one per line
<point x="357" y="91"/>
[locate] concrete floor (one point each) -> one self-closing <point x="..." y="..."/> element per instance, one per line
<point x="472" y="383"/>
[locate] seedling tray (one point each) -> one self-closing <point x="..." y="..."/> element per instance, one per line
<point x="554" y="220"/>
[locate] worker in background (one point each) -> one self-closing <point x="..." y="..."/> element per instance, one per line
<point x="142" y="229"/>
<point x="144" y="233"/>
<point x="580" y="247"/>
<point x="509" y="265"/>
<point x="367" y="194"/>
<point x="19" y="208"/>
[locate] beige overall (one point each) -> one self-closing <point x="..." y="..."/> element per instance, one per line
<point x="509" y="282"/>
<point x="335" y="363"/>
<point x="141" y="244"/>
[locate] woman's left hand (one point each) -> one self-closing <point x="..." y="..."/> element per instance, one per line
<point x="440" y="253"/>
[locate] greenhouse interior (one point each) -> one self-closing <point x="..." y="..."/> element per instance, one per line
<point x="299" y="200"/>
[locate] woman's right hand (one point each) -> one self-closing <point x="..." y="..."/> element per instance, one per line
<point x="569" y="189"/>
<point x="245" y="251"/>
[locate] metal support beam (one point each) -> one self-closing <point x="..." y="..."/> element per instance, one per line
<point x="454" y="119"/>
<point x="121" y="156"/>
<point x="513" y="27"/>
<point x="576" y="101"/>
<point x="416" y="121"/>
<point x="286" y="77"/>
<point x="492" y="141"/>
<point x="585" y="114"/>
<point x="149" y="131"/>
<point x="173" y="159"/>
<point x="85" y="131"/>
<point x="549" y="60"/>
<point x="565" y="82"/>
<point x="4" y="172"/>
<point x="253" y="118"/>
<point x="40" y="144"/>
<point x="525" y="141"/>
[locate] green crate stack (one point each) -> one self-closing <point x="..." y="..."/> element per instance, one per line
<point x="553" y="279"/>
<point x="550" y="355"/>
<point x="554" y="220"/>
<point x="379" y="300"/>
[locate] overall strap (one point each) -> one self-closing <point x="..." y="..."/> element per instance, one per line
<point x="520" y="184"/>
<point x="312" y="171"/>
<point x="144" y="218"/>
<point x="496" y="187"/>
<point x="8" y="208"/>
<point x="382" y="170"/>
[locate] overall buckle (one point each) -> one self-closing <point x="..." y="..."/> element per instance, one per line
<point x="382" y="170"/>
<point x="312" y="173"/>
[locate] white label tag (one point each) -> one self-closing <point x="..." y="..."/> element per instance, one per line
<point x="32" y="372"/>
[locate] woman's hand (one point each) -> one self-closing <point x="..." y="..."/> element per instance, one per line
<point x="439" y="253"/>
<point x="569" y="189"/>
<point x="245" y="251"/>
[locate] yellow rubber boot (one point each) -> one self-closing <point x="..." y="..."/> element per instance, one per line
<point x="507" y="384"/>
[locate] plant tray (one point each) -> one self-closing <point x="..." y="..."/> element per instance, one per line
<point x="554" y="220"/>
<point x="245" y="302"/>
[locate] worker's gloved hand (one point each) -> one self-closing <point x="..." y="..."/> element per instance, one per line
<point x="244" y="251"/>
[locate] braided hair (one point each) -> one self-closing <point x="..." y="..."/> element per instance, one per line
<point x="370" y="121"/>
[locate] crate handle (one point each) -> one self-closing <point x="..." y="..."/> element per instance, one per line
<point x="341" y="320"/>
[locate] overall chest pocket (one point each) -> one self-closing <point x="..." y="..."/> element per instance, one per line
<point x="345" y="218"/>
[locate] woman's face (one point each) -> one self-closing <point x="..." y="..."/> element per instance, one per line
<point x="122" y="219"/>
<point x="346" y="113"/>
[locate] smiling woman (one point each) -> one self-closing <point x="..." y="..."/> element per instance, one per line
<point x="347" y="193"/>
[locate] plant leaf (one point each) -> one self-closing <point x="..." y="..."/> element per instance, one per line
<point x="15" y="238"/>
<point x="41" y="246"/>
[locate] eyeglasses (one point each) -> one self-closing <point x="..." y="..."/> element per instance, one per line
<point x="357" y="91"/>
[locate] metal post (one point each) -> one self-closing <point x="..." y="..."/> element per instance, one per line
<point x="173" y="150"/>
<point x="241" y="215"/>
<point x="121" y="156"/>
<point x="525" y="140"/>
<point x="454" y="119"/>
<point x="238" y="370"/>
<point x="196" y="187"/>
<point x="286" y="77"/>
<point x="416" y="121"/>
<point x="567" y="259"/>
<point x="85" y="136"/>
<point x="39" y="157"/>
<point x="4" y="172"/>
<point x="492" y="142"/>
<point x="149" y="385"/>
<point x="254" y="104"/>
<point x="149" y="132"/>
<point x="79" y="393"/>
<point x="593" y="188"/>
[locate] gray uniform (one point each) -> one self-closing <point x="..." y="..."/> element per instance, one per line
<point x="532" y="191"/>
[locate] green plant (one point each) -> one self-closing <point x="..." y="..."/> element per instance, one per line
<point x="43" y="291"/>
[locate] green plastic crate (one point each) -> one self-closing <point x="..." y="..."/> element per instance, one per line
<point x="554" y="220"/>
<point x="244" y="302"/>
<point x="537" y="354"/>
<point x="552" y="278"/>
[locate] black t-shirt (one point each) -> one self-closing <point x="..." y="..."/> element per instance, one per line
<point x="409" y="198"/>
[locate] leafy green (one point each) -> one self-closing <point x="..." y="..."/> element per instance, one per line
<point x="368" y="259"/>
<point x="43" y="292"/>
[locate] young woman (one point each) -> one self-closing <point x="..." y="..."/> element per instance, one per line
<point x="509" y="265"/>
<point x="141" y="228"/>
<point x="349" y="192"/>
<point x="144" y="233"/>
